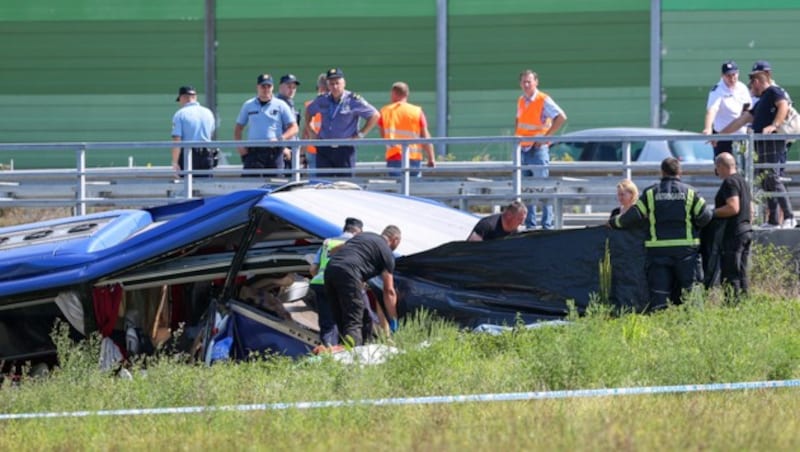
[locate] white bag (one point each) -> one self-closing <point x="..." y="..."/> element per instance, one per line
<point x="791" y="125"/>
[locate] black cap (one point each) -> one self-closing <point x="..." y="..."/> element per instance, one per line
<point x="729" y="67"/>
<point x="289" y="78"/>
<point x="353" y="222"/>
<point x="334" y="73"/>
<point x="264" y="79"/>
<point x="185" y="90"/>
<point x="761" y="66"/>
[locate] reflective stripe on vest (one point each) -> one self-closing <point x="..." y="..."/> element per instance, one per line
<point x="689" y="239"/>
<point x="324" y="257"/>
<point x="529" y="117"/>
<point x="315" y="124"/>
<point x="401" y="120"/>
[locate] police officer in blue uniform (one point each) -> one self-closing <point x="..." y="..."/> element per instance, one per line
<point x="341" y="111"/>
<point x="673" y="214"/>
<point x="267" y="118"/>
<point x="193" y="122"/>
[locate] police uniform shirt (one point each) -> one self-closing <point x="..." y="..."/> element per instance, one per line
<point x="340" y="119"/>
<point x="290" y="103"/>
<point x="728" y="102"/>
<point x="265" y="121"/>
<point x="193" y="122"/>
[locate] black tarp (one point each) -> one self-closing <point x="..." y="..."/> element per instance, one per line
<point x="533" y="276"/>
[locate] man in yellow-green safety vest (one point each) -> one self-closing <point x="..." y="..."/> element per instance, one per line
<point x="328" y="333"/>
<point x="673" y="214"/>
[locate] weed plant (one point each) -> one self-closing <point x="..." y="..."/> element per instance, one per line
<point x="704" y="340"/>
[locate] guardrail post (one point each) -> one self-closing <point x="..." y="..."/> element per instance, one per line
<point x="188" y="174"/>
<point x="80" y="207"/>
<point x="626" y="159"/>
<point x="516" y="175"/>
<point x="749" y="173"/>
<point x="406" y="173"/>
<point x="296" y="176"/>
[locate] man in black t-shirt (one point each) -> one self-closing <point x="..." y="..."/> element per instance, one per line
<point x="499" y="225"/>
<point x="733" y="203"/>
<point x="364" y="256"/>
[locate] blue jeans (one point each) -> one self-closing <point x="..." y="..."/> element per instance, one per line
<point x="399" y="164"/>
<point x="538" y="156"/>
<point x="311" y="159"/>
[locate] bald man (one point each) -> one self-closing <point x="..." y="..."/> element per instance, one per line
<point x="733" y="204"/>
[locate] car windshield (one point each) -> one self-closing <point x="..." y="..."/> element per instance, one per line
<point x="692" y="151"/>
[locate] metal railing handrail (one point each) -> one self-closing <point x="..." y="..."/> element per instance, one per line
<point x="514" y="167"/>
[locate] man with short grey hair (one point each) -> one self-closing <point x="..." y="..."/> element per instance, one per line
<point x="499" y="225"/>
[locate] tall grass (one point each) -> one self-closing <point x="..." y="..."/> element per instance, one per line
<point x="702" y="341"/>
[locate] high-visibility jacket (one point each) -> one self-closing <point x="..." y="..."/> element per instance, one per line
<point x="674" y="212"/>
<point x="315" y="124"/>
<point x="529" y="117"/>
<point x="325" y="256"/>
<point x="402" y="120"/>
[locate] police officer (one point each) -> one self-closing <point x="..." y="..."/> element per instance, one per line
<point x="340" y="110"/>
<point x="765" y="117"/>
<point x="674" y="213"/>
<point x="328" y="333"/>
<point x="266" y="118"/>
<point x="726" y="102"/>
<point x="192" y="122"/>
<point x="286" y="92"/>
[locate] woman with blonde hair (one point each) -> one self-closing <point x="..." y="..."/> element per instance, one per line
<point x="627" y="195"/>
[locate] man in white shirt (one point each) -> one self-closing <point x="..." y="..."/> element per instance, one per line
<point x="726" y="102"/>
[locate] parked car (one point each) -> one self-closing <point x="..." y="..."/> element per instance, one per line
<point x="642" y="149"/>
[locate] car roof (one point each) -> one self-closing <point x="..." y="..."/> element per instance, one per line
<point x="630" y="131"/>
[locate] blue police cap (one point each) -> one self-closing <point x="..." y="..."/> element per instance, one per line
<point x="265" y="79"/>
<point x="334" y="73"/>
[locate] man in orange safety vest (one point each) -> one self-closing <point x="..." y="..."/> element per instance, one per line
<point x="537" y="116"/>
<point x="401" y="119"/>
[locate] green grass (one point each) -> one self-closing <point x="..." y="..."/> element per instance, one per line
<point x="698" y="342"/>
<point x="705" y="340"/>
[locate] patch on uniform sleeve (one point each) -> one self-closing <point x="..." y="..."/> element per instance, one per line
<point x="357" y="96"/>
<point x="714" y="88"/>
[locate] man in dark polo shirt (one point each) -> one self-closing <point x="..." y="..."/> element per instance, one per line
<point x="362" y="257"/>
<point x="499" y="225"/>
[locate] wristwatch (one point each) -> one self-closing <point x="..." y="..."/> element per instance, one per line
<point x="360" y="134"/>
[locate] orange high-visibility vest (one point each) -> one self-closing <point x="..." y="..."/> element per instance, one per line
<point x="529" y="118"/>
<point x="401" y="120"/>
<point x="315" y="124"/>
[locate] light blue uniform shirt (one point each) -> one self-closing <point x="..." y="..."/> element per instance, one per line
<point x="193" y="122"/>
<point x="265" y="122"/>
<point x="340" y="119"/>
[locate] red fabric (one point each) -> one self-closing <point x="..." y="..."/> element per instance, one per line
<point x="106" y="301"/>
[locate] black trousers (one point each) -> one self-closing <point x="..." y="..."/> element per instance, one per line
<point x="735" y="259"/>
<point x="345" y="294"/>
<point x="263" y="157"/>
<point x="202" y="159"/>
<point x="670" y="272"/>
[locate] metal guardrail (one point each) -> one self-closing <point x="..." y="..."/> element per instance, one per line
<point x="460" y="183"/>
